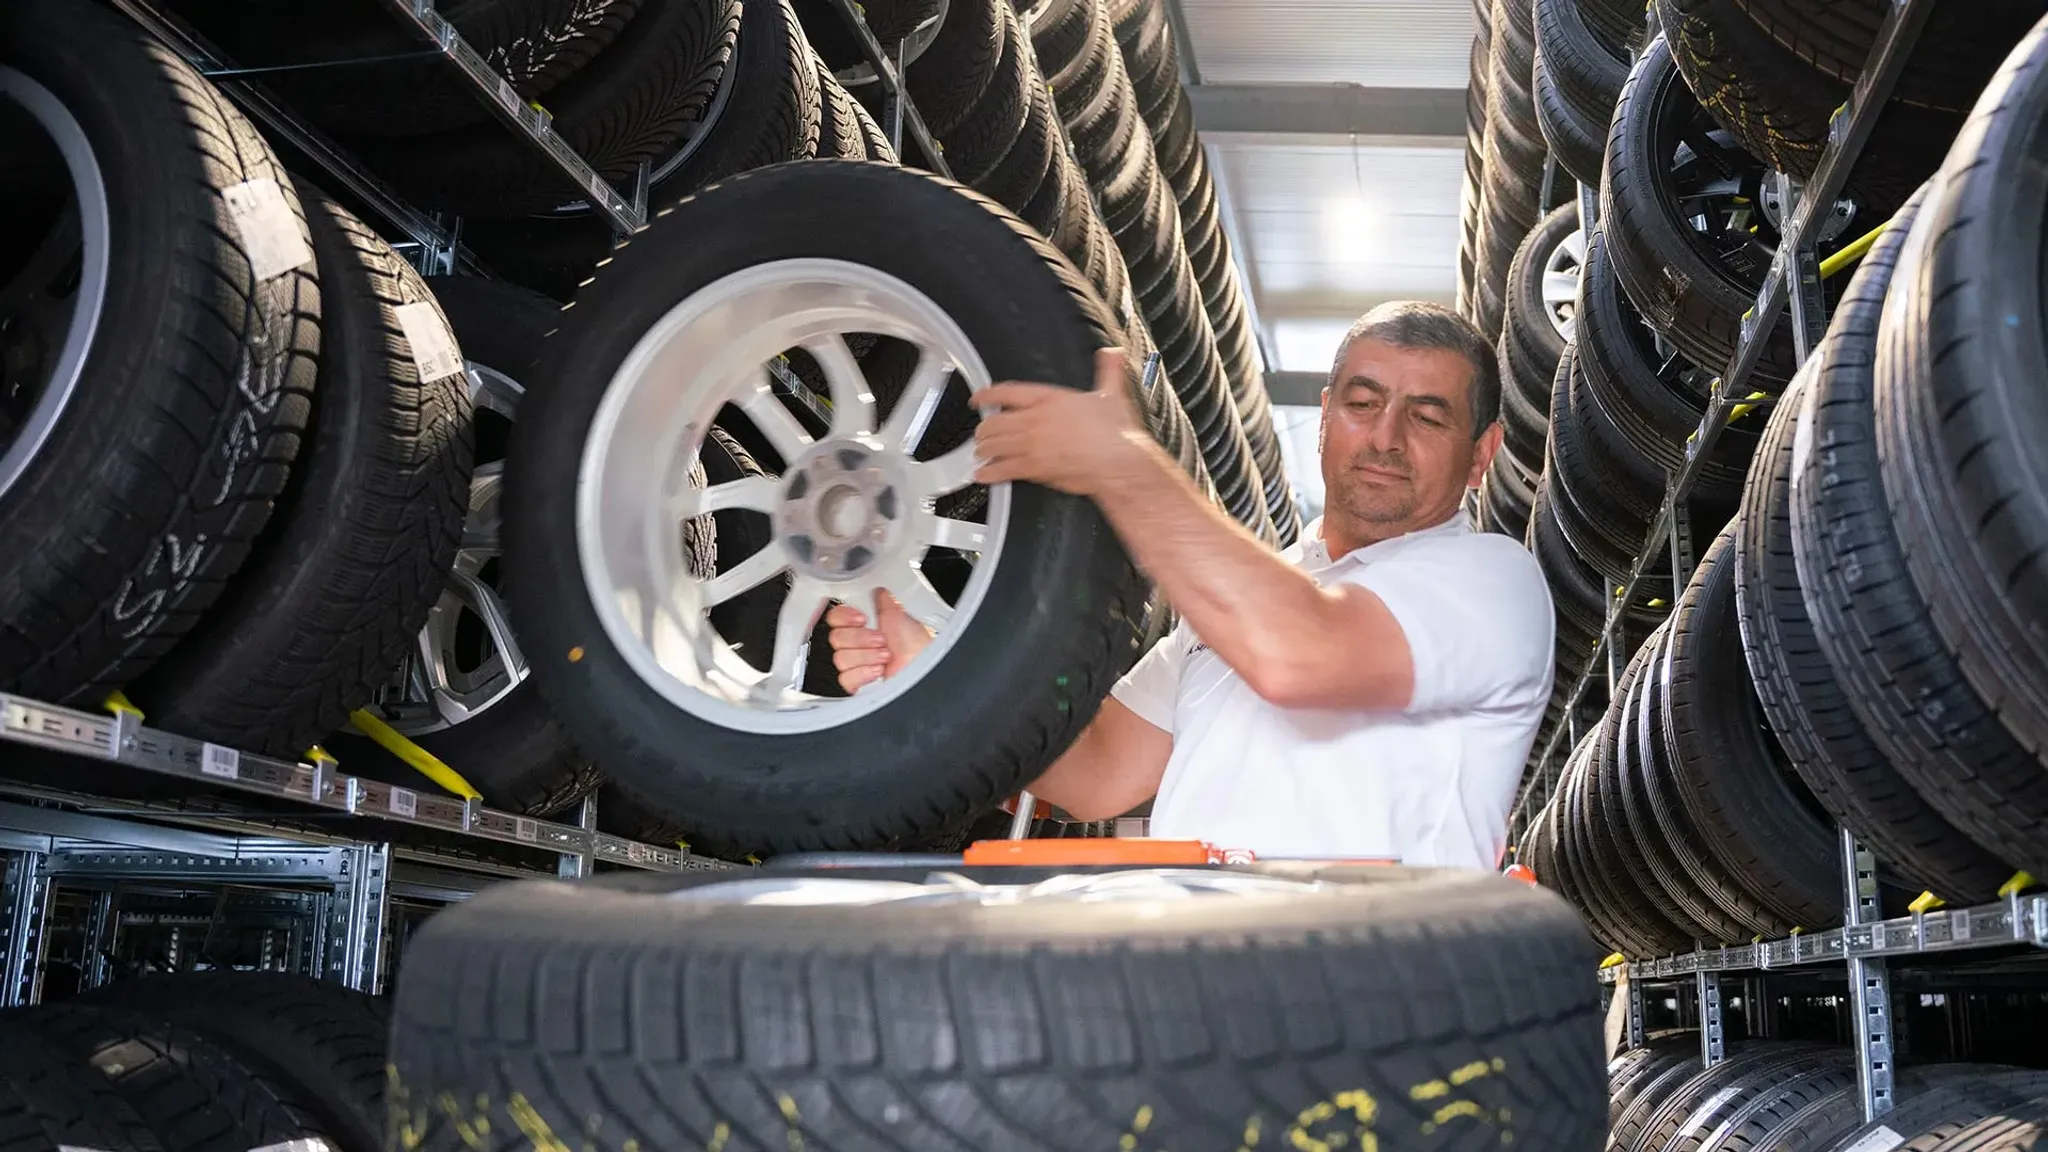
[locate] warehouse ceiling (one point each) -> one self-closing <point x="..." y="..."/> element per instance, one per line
<point x="1337" y="129"/>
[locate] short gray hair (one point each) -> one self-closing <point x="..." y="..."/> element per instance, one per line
<point x="1418" y="324"/>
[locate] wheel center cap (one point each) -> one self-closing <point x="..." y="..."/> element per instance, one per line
<point x="841" y="510"/>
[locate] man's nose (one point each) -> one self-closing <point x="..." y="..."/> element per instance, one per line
<point x="1384" y="433"/>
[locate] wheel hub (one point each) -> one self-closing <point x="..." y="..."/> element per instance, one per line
<point x="841" y="510"/>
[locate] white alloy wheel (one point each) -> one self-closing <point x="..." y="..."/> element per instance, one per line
<point x="852" y="514"/>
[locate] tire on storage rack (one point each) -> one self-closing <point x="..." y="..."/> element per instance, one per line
<point x="630" y="105"/>
<point x="196" y="1095"/>
<point x="1960" y="413"/>
<point x="153" y="421"/>
<point x="55" y="1104"/>
<point x="1040" y="1022"/>
<point x="327" y="1041"/>
<point x="1809" y="704"/>
<point x="364" y="536"/>
<point x="464" y="692"/>
<point x="388" y="86"/>
<point x="1022" y="672"/>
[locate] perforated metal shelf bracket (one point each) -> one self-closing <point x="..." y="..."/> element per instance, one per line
<point x="1870" y="986"/>
<point x="534" y="123"/>
<point x="1713" y="1029"/>
<point x="25" y="902"/>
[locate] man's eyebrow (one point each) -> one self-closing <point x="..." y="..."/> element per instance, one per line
<point x="1423" y="399"/>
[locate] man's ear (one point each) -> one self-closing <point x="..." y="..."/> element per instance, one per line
<point x="1483" y="453"/>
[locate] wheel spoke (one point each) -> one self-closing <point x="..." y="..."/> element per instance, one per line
<point x="921" y="600"/>
<point x="1560" y="286"/>
<point x="914" y="409"/>
<point x="775" y="421"/>
<point x="793" y="626"/>
<point x="483" y="600"/>
<point x="948" y="473"/>
<point x="853" y="403"/>
<point x="1575" y="244"/>
<point x="744" y="576"/>
<point x="756" y="493"/>
<point x="964" y="535"/>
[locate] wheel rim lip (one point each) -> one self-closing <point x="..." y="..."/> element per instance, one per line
<point x="495" y="391"/>
<point x="1569" y="255"/>
<point x="598" y="541"/>
<point x="88" y="187"/>
<point x="1137" y="885"/>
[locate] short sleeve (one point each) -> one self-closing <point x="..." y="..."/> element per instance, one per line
<point x="1152" y="686"/>
<point x="1477" y="615"/>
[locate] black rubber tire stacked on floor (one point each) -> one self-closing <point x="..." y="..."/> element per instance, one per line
<point x="1449" y="1009"/>
<point x="1099" y="108"/>
<point x="197" y="1063"/>
<point x="1145" y="41"/>
<point x="1792" y="1097"/>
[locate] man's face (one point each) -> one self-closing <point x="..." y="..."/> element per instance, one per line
<point x="1397" y="446"/>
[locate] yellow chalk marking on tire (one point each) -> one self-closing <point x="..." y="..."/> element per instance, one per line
<point x="576" y="654"/>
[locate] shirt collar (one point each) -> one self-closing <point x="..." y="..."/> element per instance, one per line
<point x="1316" y="554"/>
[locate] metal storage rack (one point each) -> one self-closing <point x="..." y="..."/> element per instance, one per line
<point x="1865" y="943"/>
<point x="320" y="902"/>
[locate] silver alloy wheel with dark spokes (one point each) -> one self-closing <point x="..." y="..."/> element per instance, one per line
<point x="51" y="306"/>
<point x="852" y="512"/>
<point x="467" y="658"/>
<point x="1560" y="286"/>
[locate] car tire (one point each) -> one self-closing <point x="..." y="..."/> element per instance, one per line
<point x="754" y="791"/>
<point x="342" y="579"/>
<point x="1957" y="430"/>
<point x="1195" y="1021"/>
<point x="176" y="387"/>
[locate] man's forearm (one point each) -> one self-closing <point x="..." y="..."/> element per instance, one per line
<point x="1247" y="603"/>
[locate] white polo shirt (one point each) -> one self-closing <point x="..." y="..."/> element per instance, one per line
<point x="1428" y="785"/>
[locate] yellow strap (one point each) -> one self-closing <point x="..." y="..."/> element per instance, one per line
<point x="1741" y="410"/>
<point x="118" y="703"/>
<point x="753" y="859"/>
<point x="1852" y="251"/>
<point x="1797" y="931"/>
<point x="417" y="758"/>
<point x="316" y="755"/>
<point x="1613" y="961"/>
<point x="2019" y="883"/>
<point x="1926" y="902"/>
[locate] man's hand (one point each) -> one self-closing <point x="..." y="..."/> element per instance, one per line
<point x="866" y="654"/>
<point x="1076" y="442"/>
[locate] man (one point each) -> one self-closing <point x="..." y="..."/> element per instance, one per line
<point x="1373" y="691"/>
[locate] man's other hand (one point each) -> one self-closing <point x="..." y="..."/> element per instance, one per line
<point x="1069" y="440"/>
<point x="864" y="654"/>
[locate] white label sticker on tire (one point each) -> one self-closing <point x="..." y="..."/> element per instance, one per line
<point x="215" y="760"/>
<point x="269" y="229"/>
<point x="404" y="802"/>
<point x="434" y="352"/>
<point x="1880" y="1139"/>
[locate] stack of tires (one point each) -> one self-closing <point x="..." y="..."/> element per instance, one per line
<point x="293" y="502"/>
<point x="1611" y="336"/>
<point x="198" y="1062"/>
<point x="1788" y="1097"/>
<point x="1865" y="643"/>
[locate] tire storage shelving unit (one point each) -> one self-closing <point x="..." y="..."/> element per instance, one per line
<point x="1831" y="715"/>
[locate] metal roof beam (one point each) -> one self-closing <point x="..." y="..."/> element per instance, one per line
<point x="1328" y="109"/>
